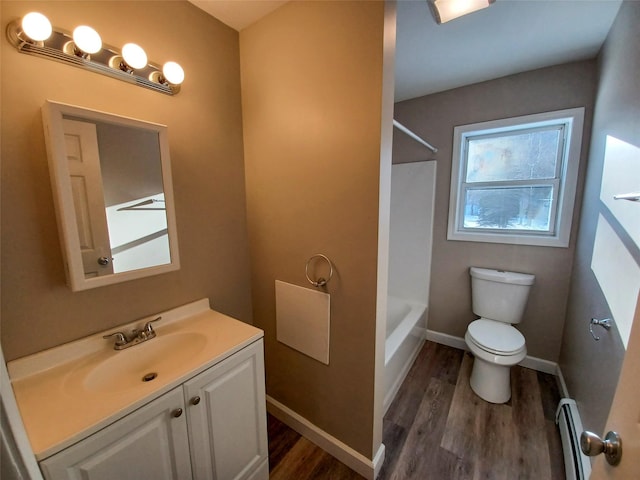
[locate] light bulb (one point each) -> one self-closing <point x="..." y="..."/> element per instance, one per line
<point x="134" y="56"/>
<point x="36" y="26"/>
<point x="173" y="73"/>
<point x="87" y="39"/>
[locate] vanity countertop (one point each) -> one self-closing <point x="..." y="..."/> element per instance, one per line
<point x="76" y="389"/>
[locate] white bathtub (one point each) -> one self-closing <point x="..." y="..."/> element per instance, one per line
<point x="406" y="328"/>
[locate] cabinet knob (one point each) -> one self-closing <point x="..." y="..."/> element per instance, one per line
<point x="177" y="412"/>
<point x="195" y="400"/>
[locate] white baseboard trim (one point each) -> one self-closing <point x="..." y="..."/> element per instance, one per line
<point x="378" y="460"/>
<point x="534" y="363"/>
<point x="343" y="452"/>
<point x="540" y="365"/>
<point x="446" y="339"/>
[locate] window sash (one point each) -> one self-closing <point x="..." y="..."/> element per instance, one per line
<point x="560" y="126"/>
<point x="553" y="182"/>
<point x="563" y="186"/>
<point x="553" y="208"/>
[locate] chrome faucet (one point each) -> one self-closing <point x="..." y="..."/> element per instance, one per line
<point x="137" y="336"/>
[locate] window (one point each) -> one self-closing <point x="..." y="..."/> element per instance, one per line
<point x="514" y="180"/>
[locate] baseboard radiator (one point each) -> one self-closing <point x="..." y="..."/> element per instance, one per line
<point x="576" y="464"/>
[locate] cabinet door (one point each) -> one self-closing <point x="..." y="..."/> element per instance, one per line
<point x="150" y="443"/>
<point x="227" y="418"/>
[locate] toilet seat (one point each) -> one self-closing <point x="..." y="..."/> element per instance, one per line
<point x="496" y="337"/>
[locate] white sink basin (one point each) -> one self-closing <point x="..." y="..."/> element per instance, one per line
<point x="76" y="389"/>
<point x="159" y="357"/>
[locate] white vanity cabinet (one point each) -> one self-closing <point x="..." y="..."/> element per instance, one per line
<point x="212" y="427"/>
<point x="151" y="442"/>
<point x="227" y="419"/>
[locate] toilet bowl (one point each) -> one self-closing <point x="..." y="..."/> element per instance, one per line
<point x="496" y="347"/>
<point x="499" y="298"/>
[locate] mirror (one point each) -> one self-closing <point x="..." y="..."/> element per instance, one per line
<point x="111" y="180"/>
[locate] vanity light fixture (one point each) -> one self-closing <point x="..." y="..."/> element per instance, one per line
<point x="134" y="56"/>
<point x="36" y="26"/>
<point x="34" y="35"/>
<point x="172" y="74"/>
<point x="86" y="41"/>
<point x="445" y="10"/>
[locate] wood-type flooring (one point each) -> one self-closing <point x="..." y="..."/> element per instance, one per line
<point x="437" y="428"/>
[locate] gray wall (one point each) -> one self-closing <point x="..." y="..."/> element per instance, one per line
<point x="591" y="368"/>
<point x="434" y="117"/>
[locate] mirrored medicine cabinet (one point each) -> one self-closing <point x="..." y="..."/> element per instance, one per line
<point x="111" y="180"/>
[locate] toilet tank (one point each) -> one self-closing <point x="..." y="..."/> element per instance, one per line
<point x="499" y="295"/>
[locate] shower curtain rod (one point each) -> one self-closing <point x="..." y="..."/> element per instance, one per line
<point x="404" y="129"/>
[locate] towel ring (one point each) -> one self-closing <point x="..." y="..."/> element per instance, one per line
<point x="321" y="282"/>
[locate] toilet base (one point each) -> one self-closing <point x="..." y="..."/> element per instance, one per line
<point x="490" y="381"/>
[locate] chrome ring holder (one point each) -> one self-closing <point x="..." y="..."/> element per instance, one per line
<point x="321" y="282"/>
<point x="604" y="323"/>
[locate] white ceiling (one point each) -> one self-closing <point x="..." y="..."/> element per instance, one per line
<point x="238" y="14"/>
<point x="510" y="36"/>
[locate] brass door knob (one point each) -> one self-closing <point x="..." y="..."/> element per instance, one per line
<point x="176" y="413"/>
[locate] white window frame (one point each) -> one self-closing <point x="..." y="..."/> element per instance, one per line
<point x="572" y="121"/>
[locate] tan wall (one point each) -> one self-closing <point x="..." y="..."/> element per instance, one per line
<point x="205" y="134"/>
<point x="586" y="363"/>
<point x="434" y="116"/>
<point x="312" y="99"/>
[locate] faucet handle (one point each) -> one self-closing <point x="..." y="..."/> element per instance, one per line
<point x="148" y="329"/>
<point x="121" y="338"/>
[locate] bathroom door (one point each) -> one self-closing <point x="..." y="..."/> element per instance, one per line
<point x="83" y="159"/>
<point x="624" y="416"/>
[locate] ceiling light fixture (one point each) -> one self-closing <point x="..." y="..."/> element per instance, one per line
<point x="34" y="35"/>
<point x="446" y="10"/>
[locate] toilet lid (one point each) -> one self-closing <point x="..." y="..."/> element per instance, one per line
<point x="496" y="337"/>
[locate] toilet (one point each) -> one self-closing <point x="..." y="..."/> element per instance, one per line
<point x="499" y="299"/>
